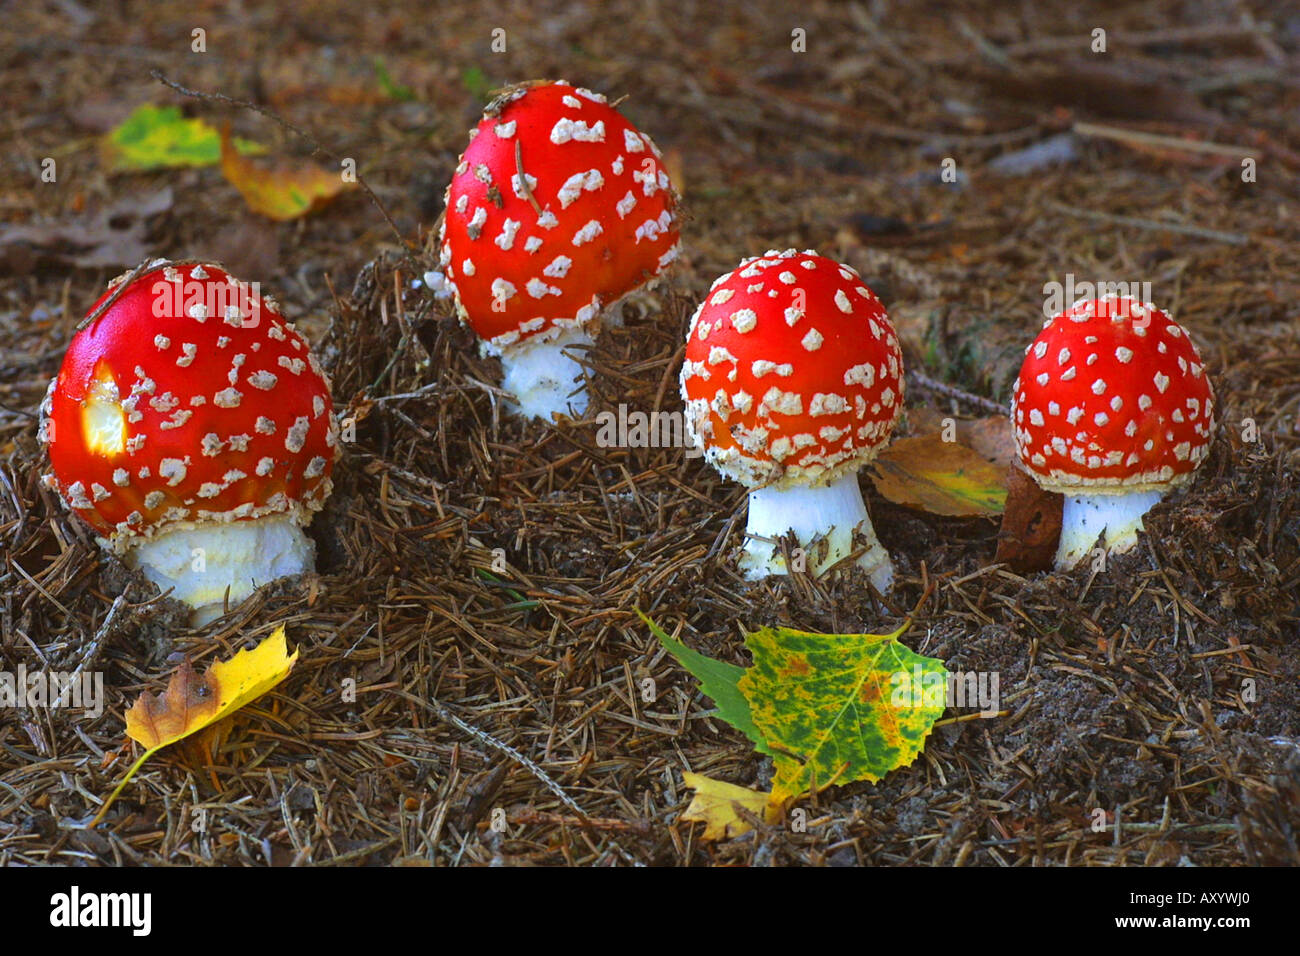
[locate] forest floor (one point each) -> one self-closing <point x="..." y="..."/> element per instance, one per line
<point x="1162" y="690"/>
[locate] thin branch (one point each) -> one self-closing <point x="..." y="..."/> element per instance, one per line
<point x="1233" y="238"/>
<point x="531" y="766"/>
<point x="125" y="282"/>
<point x="936" y="387"/>
<point x="317" y="148"/>
<point x="1211" y="33"/>
<point x="523" y="179"/>
<point x="92" y="652"/>
<point x="1098" y="131"/>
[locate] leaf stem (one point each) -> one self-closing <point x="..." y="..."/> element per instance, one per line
<point x="125" y="780"/>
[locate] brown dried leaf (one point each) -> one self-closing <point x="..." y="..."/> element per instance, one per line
<point x="990" y="437"/>
<point x="1031" y="524"/>
<point x="111" y="238"/>
<point x="188" y="703"/>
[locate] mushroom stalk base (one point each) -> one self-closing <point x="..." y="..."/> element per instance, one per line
<point x="1085" y="517"/>
<point x="833" y="513"/>
<point x="543" y="379"/>
<point x="198" y="564"/>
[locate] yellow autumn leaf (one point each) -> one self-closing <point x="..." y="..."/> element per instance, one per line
<point x="941" y="477"/>
<point x="192" y="702"/>
<point x="717" y="805"/>
<point x="279" y="192"/>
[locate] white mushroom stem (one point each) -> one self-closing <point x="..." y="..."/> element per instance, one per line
<point x="198" y="564"/>
<point x="833" y="513"/>
<point x="544" y="379"/>
<point x="1085" y="517"/>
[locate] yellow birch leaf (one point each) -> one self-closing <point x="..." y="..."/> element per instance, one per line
<point x="193" y="702"/>
<point x="716" y="804"/>
<point x="280" y="192"/>
<point x="838" y="708"/>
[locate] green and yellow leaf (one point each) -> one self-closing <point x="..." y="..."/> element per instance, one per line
<point x="837" y="708"/>
<point x="718" y="680"/>
<point x="156" y="137"/>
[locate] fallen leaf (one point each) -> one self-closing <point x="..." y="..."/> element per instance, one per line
<point x="719" y="681"/>
<point x="675" y="165"/>
<point x="1031" y="524"/>
<point x="717" y="805"/>
<point x="244" y="246"/>
<point x="155" y="137"/>
<point x="280" y="192"/>
<point x="113" y="237"/>
<point x="940" y="477"/>
<point x="990" y="437"/>
<point x="830" y="707"/>
<point x="192" y="702"/>
<point x="186" y="706"/>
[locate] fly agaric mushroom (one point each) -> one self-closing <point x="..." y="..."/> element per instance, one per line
<point x="192" y="428"/>
<point x="793" y="380"/>
<point x="1112" y="408"/>
<point x="558" y="208"/>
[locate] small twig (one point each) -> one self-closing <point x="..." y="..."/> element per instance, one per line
<point x="947" y="721"/>
<point x="952" y="391"/>
<point x="317" y="148"/>
<point x="524" y="188"/>
<point x="92" y="652"/>
<point x="420" y="392"/>
<point x="533" y="817"/>
<point x="17" y="411"/>
<point x="1098" y="131"/>
<point x="1233" y="238"/>
<point x="1213" y="33"/>
<point x="125" y="282"/>
<point x="990" y="51"/>
<point x="1182" y="828"/>
<point x="499" y="745"/>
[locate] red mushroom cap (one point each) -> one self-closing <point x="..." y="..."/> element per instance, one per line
<point x="594" y="220"/>
<point x="1112" y="395"/>
<point x="190" y="400"/>
<point x="793" y="374"/>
